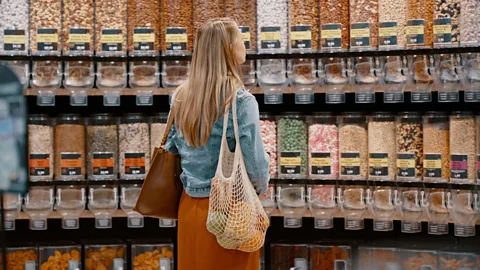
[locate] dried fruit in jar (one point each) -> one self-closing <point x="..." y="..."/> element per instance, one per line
<point x="102" y="258"/>
<point x="60" y="261"/>
<point x="150" y="260"/>
<point x="18" y="258"/>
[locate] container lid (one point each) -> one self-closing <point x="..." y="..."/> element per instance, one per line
<point x="160" y="118"/>
<point x="462" y="113"/>
<point x="38" y="119"/>
<point x="353" y="114"/>
<point x="382" y="116"/>
<point x="69" y="119"/>
<point x="102" y="119"/>
<point x="265" y="115"/>
<point x="133" y="118"/>
<point x="409" y="115"/>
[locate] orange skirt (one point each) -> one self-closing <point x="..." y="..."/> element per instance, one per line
<point x="198" y="248"/>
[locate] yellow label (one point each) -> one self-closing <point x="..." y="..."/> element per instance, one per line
<point x="176" y="38"/>
<point x="442" y="29"/>
<point x="378" y="162"/>
<point x="321" y="161"/>
<point x="405" y="163"/>
<point x="112" y="38"/>
<point x="387" y="32"/>
<point x="432" y="164"/>
<point x="47" y="38"/>
<point x="149" y="37"/>
<point x="300" y="35"/>
<point x="336" y="33"/>
<point x="14" y="39"/>
<point x="246" y="36"/>
<point x="360" y="33"/>
<point x="290" y="161"/>
<point x="415" y="30"/>
<point x="350" y="162"/>
<point x="270" y="36"/>
<point x="79" y="38"/>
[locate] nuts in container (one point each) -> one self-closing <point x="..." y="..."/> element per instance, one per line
<point x="40" y="147"/>
<point x="176" y="15"/>
<point x="303" y="16"/>
<point x="381" y="146"/>
<point x="335" y="12"/>
<point x="203" y="10"/>
<point x="143" y="24"/>
<point x="78" y="26"/>
<point x="409" y="147"/>
<point x="436" y="147"/>
<point x="45" y="26"/>
<point x="46" y="74"/>
<point x="111" y="26"/>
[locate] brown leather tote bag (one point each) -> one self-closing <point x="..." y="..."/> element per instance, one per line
<point x="162" y="189"/>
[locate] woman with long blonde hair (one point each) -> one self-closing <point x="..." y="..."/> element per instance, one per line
<point x="198" y="110"/>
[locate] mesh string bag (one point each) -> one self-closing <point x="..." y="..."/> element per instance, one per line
<point x="235" y="214"/>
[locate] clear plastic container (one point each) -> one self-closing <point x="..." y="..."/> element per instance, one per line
<point x="272" y="23"/>
<point x="463" y="163"/>
<point x="380" y="205"/>
<point x="268" y="200"/>
<point x="447" y="14"/>
<point x="248" y="75"/>
<point x="422" y="78"/>
<point x="303" y="22"/>
<point x="60" y="257"/>
<point x="46" y="34"/>
<point x="79" y="79"/>
<point x="379" y="258"/>
<point x="292" y="146"/>
<point x="468" y="22"/>
<point x="291" y="203"/>
<point x="14" y="15"/>
<point x="46" y="79"/>
<point x="365" y="80"/>
<point x="335" y="24"/>
<point x="144" y="76"/>
<point x="353" y="141"/>
<point x="447" y="77"/>
<point x="102" y="147"/>
<point x="287" y="256"/>
<point x="303" y="79"/>
<point x="409" y="147"/>
<point x="40" y="147"/>
<point x="244" y="12"/>
<point x="38" y="205"/>
<point x="22" y="258"/>
<point x="271" y="74"/>
<point x="269" y="138"/>
<point x="381" y="146"/>
<point x="321" y="202"/>
<point x="134" y="146"/>
<point x="351" y="202"/>
<point x="103" y="203"/>
<point x="363" y="24"/>
<point x="70" y="147"/>
<point x="143" y="26"/>
<point x="111" y="27"/>
<point x="435" y="207"/>
<point x="394" y="79"/>
<point x="420" y="14"/>
<point x="471" y="81"/>
<point x="109" y="257"/>
<point x="457" y="260"/>
<point x="128" y="199"/>
<point x="156" y="256"/>
<point x="392" y="18"/>
<point x="12" y="205"/>
<point x="419" y="259"/>
<point x="78" y="27"/>
<point x="174" y="73"/>
<point x="334" y="80"/>
<point x="330" y="257"/>
<point x="436" y="147"/>
<point x="158" y="125"/>
<point x="70" y="205"/>
<point x="177" y="26"/>
<point x="203" y="10"/>
<point x="111" y="80"/>
<point x="323" y="146"/>
<point x="407" y="202"/>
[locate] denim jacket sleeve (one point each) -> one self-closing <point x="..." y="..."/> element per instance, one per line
<point x="256" y="159"/>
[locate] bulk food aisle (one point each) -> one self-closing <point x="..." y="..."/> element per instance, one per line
<point x="368" y="112"/>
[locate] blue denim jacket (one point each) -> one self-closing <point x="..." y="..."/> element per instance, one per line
<point x="200" y="164"/>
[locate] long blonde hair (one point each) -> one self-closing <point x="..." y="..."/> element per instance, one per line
<point x="214" y="76"/>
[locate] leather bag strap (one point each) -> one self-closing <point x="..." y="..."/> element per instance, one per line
<point x="169" y="126"/>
